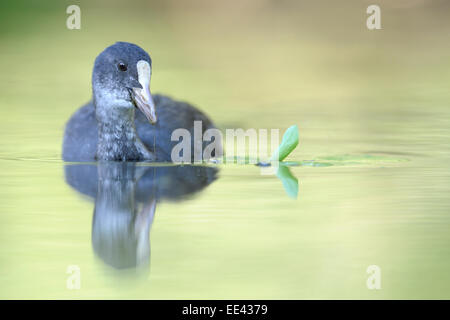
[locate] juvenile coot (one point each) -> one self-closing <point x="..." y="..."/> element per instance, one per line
<point x="123" y="122"/>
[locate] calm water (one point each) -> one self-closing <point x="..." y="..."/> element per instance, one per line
<point x="372" y="110"/>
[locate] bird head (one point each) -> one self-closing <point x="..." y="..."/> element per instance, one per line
<point x="121" y="79"/>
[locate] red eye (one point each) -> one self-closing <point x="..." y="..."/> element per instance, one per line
<point x="122" y="66"/>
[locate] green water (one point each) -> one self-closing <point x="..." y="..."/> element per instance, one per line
<point x="373" y="163"/>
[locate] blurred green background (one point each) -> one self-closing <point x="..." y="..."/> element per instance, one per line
<point x="375" y="104"/>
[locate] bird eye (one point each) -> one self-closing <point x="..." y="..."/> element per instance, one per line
<point x="122" y="66"/>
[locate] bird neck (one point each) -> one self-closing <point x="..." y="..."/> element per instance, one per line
<point x="117" y="137"/>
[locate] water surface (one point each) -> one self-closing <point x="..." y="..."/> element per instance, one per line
<point x="373" y="180"/>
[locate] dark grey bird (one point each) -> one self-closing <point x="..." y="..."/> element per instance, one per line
<point x="123" y="122"/>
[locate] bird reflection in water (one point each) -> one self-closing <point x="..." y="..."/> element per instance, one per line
<point x="126" y="196"/>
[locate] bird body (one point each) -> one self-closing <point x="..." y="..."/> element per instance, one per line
<point x="81" y="133"/>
